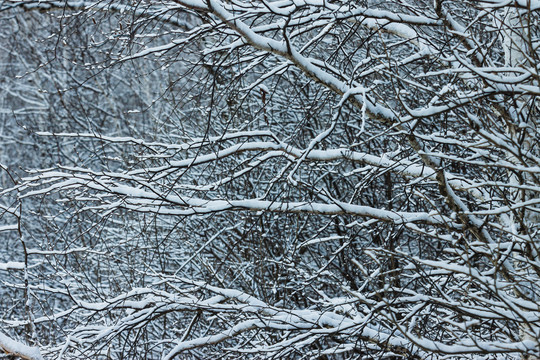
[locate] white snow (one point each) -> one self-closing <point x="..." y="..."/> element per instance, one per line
<point x="16" y="348"/>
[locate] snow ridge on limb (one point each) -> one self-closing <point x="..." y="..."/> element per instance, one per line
<point x="273" y="149"/>
<point x="19" y="349"/>
<point x="533" y="5"/>
<point x="150" y="200"/>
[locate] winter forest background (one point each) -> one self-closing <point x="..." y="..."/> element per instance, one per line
<point x="270" y="179"/>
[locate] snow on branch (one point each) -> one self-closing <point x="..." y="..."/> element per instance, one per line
<point x="19" y="349"/>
